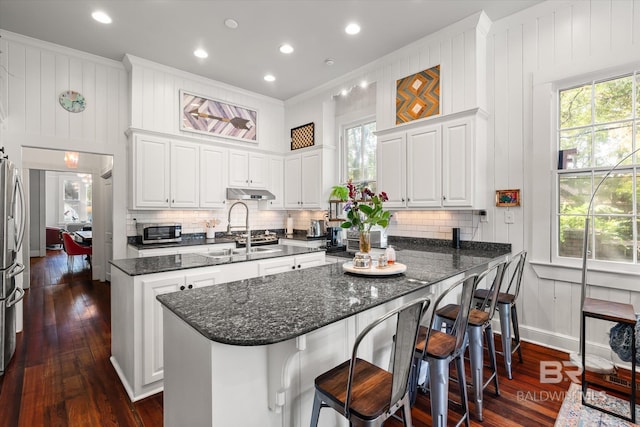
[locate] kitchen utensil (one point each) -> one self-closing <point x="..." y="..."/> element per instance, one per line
<point x="316" y="228"/>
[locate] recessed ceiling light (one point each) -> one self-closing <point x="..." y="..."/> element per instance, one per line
<point x="364" y="84"/>
<point x="352" y="28"/>
<point x="329" y="61"/>
<point x="344" y="92"/>
<point x="200" y="53"/>
<point x="231" y="23"/>
<point x="101" y="17"/>
<point x="270" y="78"/>
<point x="286" y="48"/>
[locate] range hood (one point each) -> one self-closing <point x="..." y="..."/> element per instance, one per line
<point x="249" y="194"/>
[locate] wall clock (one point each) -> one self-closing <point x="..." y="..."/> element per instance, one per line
<point x="72" y="101"/>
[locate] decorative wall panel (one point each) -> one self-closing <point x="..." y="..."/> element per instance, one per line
<point x="418" y="95"/>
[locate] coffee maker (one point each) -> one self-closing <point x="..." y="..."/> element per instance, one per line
<point x="334" y="239"/>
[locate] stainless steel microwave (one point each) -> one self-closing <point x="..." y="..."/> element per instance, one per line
<point x="159" y="233"/>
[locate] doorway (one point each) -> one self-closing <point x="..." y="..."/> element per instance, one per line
<point x="66" y="194"/>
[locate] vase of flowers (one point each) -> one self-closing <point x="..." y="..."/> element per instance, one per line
<point x="364" y="210"/>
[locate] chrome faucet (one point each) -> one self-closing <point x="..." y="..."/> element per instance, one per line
<point x="246" y="228"/>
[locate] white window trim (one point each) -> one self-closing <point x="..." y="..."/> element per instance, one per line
<point x="346" y="121"/>
<point x="543" y="205"/>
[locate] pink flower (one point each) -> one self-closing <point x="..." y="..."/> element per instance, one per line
<point x="383" y="196"/>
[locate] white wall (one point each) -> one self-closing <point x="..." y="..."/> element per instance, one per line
<point x="528" y="52"/>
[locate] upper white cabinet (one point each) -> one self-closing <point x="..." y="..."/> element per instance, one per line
<point x="303" y="177"/>
<point x="247" y="169"/>
<point x="275" y="183"/>
<point x="165" y="173"/>
<point x="150" y="172"/>
<point x="435" y="165"/>
<point x="213" y="177"/>
<point x="185" y="175"/>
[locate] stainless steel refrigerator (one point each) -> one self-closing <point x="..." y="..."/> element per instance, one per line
<point x="12" y="224"/>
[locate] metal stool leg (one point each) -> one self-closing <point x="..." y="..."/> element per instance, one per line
<point x="463" y="388"/>
<point x="504" y="310"/>
<point x="439" y="386"/>
<point x="491" y="348"/>
<point x="315" y="414"/>
<point x="476" y="362"/>
<point x="516" y="330"/>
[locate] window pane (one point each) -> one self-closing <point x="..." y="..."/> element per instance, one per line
<point x="613" y="100"/>
<point x="575" y="192"/>
<point x="580" y="141"/>
<point x="612" y="143"/>
<point x="575" y="107"/>
<point x="615" y="195"/>
<point x="614" y="239"/>
<point x="361" y="154"/>
<point x="571" y="236"/>
<point x="71" y="190"/>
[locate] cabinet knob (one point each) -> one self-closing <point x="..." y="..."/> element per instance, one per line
<point x="293" y="267"/>
<point x="298" y="265"/>
<point x="250" y="181"/>
<point x="444" y="197"/>
<point x="182" y="288"/>
<point x="173" y="201"/>
<point x="402" y="199"/>
<point x="190" y="286"/>
<point x="408" y="199"/>
<point x="167" y="200"/>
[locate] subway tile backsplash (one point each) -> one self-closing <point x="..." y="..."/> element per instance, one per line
<point x="425" y="224"/>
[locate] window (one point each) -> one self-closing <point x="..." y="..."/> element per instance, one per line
<point x="76" y="198"/>
<point x="597" y="129"/>
<point x="360" y="153"/>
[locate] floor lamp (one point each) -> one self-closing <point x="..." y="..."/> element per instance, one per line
<point x="594" y="363"/>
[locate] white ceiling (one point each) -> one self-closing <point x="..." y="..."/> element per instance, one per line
<point x="168" y="31"/>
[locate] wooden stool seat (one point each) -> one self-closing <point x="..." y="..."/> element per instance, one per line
<point x="368" y="377"/>
<point x="440" y="346"/>
<point x="503" y="297"/>
<point x="612" y="312"/>
<point x="476" y="317"/>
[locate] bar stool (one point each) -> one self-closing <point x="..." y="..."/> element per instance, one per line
<point x="441" y="348"/>
<point x="479" y="322"/>
<point x="613" y="312"/>
<point x="508" y="312"/>
<point x="364" y="393"/>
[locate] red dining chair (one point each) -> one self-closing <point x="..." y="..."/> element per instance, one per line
<point x="73" y="248"/>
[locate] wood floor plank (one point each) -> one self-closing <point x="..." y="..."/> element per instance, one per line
<point x="61" y="374"/>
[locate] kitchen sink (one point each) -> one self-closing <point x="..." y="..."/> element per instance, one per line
<point x="227" y="253"/>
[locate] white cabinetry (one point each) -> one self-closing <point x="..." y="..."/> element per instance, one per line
<point x="275" y="183"/>
<point x="436" y="165"/>
<point x="152" y="360"/>
<point x="303" y="181"/>
<point x="298" y="262"/>
<point x="213" y="177"/>
<point x="136" y="315"/>
<point x="165" y="173"/>
<point x="247" y="169"/>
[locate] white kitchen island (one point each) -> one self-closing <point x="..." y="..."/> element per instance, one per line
<point x="247" y="353"/>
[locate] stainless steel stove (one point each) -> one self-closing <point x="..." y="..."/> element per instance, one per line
<point x="257" y="240"/>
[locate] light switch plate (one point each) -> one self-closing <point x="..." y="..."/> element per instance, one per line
<point x="508" y="217"/>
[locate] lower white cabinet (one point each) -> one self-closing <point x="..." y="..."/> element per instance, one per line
<point x="282" y="265"/>
<point x="152" y="362"/>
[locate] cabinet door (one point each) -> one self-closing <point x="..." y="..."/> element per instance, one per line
<point x="424" y="168"/>
<point x="258" y="170"/>
<point x="275" y="266"/>
<point x="213" y="177"/>
<point x="458" y="164"/>
<point x="142" y="253"/>
<point x="275" y="184"/>
<point x="309" y="260"/>
<point x="292" y="182"/>
<point x="152" y="359"/>
<point x="201" y="280"/>
<point x="238" y="168"/>
<point x="311" y="180"/>
<point x="151" y="172"/>
<point x="185" y="177"/>
<point x="391" y="169"/>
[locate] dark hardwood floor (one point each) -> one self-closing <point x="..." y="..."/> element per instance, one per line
<point x="61" y="374"/>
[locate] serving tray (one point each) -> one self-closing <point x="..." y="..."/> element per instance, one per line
<point x="389" y="270"/>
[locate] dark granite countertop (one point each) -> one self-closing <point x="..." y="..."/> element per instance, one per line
<point x="163" y="263"/>
<point x="276" y="308"/>
<point x="186" y="241"/>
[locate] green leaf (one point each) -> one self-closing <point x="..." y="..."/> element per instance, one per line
<point x="368" y="210"/>
<point x="345" y="224"/>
